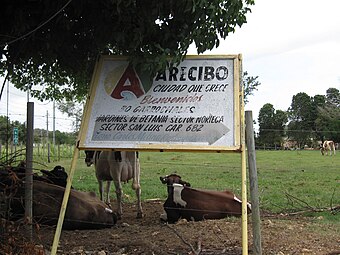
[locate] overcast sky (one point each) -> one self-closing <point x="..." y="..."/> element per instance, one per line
<point x="292" y="45"/>
<point x="17" y="108"/>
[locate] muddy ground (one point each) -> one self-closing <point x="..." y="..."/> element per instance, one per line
<point x="280" y="235"/>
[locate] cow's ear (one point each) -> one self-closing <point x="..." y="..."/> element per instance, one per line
<point x="164" y="180"/>
<point x="185" y="183"/>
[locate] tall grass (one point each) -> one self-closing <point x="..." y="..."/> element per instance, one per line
<point x="288" y="180"/>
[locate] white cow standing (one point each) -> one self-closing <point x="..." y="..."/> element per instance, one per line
<point x="116" y="166"/>
<point x="328" y="146"/>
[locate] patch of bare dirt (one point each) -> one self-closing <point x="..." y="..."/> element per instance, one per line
<point x="149" y="235"/>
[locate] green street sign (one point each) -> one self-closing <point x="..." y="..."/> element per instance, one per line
<point x="15" y="136"/>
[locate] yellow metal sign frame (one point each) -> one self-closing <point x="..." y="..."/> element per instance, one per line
<point x="240" y="146"/>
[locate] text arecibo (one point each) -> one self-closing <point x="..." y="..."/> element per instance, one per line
<point x="193" y="73"/>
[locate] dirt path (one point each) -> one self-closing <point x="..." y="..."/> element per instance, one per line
<point x="150" y="236"/>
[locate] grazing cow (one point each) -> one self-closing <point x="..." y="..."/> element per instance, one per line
<point x="193" y="204"/>
<point x="117" y="166"/>
<point x="84" y="210"/>
<point x="328" y="146"/>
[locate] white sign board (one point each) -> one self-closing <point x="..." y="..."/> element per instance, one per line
<point x="193" y="106"/>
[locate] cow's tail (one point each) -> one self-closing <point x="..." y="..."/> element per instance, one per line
<point x="136" y="172"/>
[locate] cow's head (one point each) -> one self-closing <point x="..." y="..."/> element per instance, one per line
<point x="173" y="178"/>
<point x="322" y="150"/>
<point x="59" y="169"/>
<point x="110" y="212"/>
<point x="169" y="180"/>
<point x="89" y="157"/>
<point x="57" y="176"/>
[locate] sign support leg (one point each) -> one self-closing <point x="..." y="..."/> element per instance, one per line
<point x="244" y="201"/>
<point x="65" y="201"/>
<point x="243" y="165"/>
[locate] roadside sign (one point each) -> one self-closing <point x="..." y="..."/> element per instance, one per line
<point x="193" y="106"/>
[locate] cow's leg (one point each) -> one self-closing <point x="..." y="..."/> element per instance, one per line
<point x="101" y="190"/>
<point x="173" y="215"/>
<point x="332" y="148"/>
<point x="119" y="193"/>
<point x="108" y="188"/>
<point x="139" y="203"/>
<point x="136" y="184"/>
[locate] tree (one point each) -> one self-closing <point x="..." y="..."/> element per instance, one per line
<point x="6" y="130"/>
<point x="250" y="84"/>
<point x="318" y="102"/>
<point x="299" y="113"/>
<point x="73" y="110"/>
<point x="64" y="138"/>
<point x="310" y="117"/>
<point x="333" y="97"/>
<point x="51" y="47"/>
<point x="328" y="118"/>
<point x="271" y="125"/>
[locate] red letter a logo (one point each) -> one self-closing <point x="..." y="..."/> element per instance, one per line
<point x="129" y="85"/>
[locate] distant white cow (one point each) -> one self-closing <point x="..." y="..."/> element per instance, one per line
<point x="116" y="166"/>
<point x="328" y="146"/>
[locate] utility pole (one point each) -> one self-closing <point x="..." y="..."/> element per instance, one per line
<point x="53" y="134"/>
<point x="53" y="124"/>
<point x="47" y="127"/>
<point x="7" y="130"/>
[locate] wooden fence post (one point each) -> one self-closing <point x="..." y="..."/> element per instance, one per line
<point x="254" y="194"/>
<point x="29" y="168"/>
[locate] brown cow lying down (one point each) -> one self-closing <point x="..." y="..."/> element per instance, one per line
<point x="84" y="210"/>
<point x="193" y="204"/>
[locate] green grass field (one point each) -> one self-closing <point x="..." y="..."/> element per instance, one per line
<point x="289" y="181"/>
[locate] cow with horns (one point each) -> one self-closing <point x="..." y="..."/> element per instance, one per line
<point x="119" y="167"/>
<point x="194" y="204"/>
